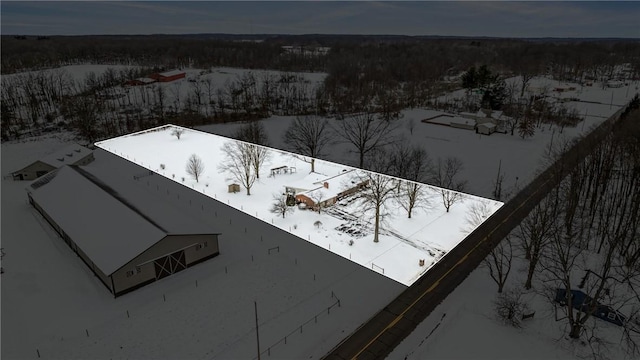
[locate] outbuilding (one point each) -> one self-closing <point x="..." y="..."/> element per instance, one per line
<point x="69" y="155"/>
<point x="124" y="235"/>
<point x="141" y="81"/>
<point x="486" y="128"/>
<point x="168" y="76"/>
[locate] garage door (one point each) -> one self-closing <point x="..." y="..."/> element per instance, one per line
<point x="170" y="264"/>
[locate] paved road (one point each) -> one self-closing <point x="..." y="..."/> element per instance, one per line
<point x="376" y="338"/>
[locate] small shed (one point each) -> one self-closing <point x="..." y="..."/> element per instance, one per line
<point x="487" y="128"/>
<point x="234" y="188"/>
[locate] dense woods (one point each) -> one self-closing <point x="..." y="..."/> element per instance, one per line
<point x="379" y="74"/>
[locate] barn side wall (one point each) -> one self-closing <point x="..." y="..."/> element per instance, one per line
<point x="63" y="235"/>
<point x="141" y="270"/>
<point x="30" y="172"/>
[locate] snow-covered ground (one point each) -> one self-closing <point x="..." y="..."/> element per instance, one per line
<point x="52" y="305"/>
<point x="50" y="300"/>
<point x="431" y="232"/>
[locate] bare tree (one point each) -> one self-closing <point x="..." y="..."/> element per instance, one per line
<point x="252" y="132"/>
<point x="239" y="163"/>
<point x="477" y="213"/>
<point x="535" y="234"/>
<point x="308" y="136"/>
<point x="366" y="133"/>
<point x="446" y="177"/>
<point x="415" y="165"/>
<point x="177" y="133"/>
<point x="280" y="206"/>
<point x="195" y="166"/>
<point x="497" y="184"/>
<point x="499" y="262"/>
<point x="255" y="133"/>
<point x="378" y="190"/>
<point x="510" y="307"/>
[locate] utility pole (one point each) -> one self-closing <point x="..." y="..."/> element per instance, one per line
<point x="255" y="307"/>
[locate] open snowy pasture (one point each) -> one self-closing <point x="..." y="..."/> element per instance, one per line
<point x="345" y="228"/>
<point x="53" y="307"/>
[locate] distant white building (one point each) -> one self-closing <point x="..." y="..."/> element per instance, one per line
<point x="487" y="128"/>
<point x="70" y="155"/>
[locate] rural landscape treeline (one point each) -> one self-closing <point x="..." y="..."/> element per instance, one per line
<point x="587" y="227"/>
<point x="363" y="73"/>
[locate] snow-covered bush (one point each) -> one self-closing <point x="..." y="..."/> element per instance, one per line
<point x="510" y="307"/>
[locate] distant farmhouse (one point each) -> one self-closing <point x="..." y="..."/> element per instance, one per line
<point x="70" y="155"/>
<point x="124" y="235"/>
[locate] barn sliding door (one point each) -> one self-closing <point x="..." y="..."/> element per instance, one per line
<point x="170" y="264"/>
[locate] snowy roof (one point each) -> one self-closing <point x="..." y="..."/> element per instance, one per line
<point x="111" y="222"/>
<point x="171" y="73"/>
<point x="146" y="80"/>
<point x="308" y="182"/>
<point x="68" y="155"/>
<point x="488" y="125"/>
<point x="336" y="184"/>
<point x="465" y="121"/>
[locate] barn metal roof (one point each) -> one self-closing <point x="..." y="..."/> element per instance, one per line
<point x="68" y="155"/>
<point x="110" y="217"/>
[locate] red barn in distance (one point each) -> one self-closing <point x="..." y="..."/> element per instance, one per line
<point x="168" y="76"/>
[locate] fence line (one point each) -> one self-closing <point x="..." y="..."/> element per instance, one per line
<point x="299" y="329"/>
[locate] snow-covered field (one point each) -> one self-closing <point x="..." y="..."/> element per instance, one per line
<point x="53" y="305"/>
<point x="429" y="234"/>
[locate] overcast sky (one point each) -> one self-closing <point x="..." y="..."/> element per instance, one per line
<point x="453" y="18"/>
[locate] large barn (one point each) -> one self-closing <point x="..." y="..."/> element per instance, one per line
<point x="69" y="155"/>
<point x="127" y="237"/>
